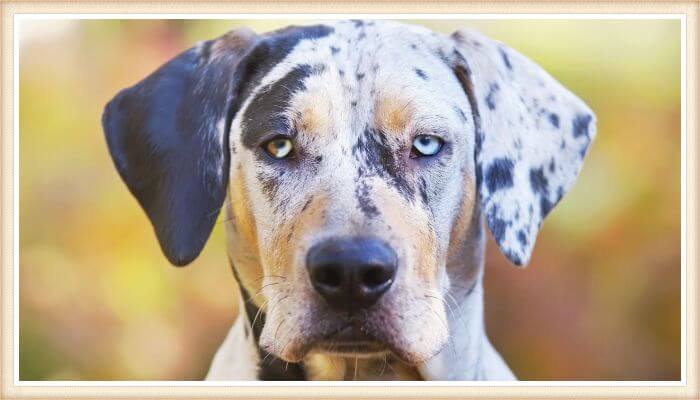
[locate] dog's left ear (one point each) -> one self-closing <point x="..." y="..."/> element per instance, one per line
<point x="167" y="137"/>
<point x="531" y="137"/>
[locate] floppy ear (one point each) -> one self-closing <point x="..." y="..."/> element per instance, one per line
<point x="167" y="137"/>
<point x="531" y="137"/>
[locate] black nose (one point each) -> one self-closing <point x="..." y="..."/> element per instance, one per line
<point x="351" y="274"/>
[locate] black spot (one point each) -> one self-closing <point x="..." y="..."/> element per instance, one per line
<point x="306" y="204"/>
<point x="357" y="23"/>
<point x="498" y="227"/>
<point x="334" y="50"/>
<point x="374" y="151"/>
<point x="505" y="58"/>
<point x="540" y="186"/>
<point x="522" y="238"/>
<point x="318" y="159"/>
<point x="538" y="182"/>
<point x="460" y="114"/>
<point x="361" y="36"/>
<point x="360" y="75"/>
<point x="421" y="74"/>
<point x="422" y="188"/>
<point x="490" y="98"/>
<point x="443" y="57"/>
<point x="353" y="103"/>
<point x="341" y="72"/>
<point x="499" y="174"/>
<point x="545" y="207"/>
<point x="269" y="184"/>
<point x="514" y="258"/>
<point x="580" y="125"/>
<point x="364" y="200"/>
<point x="265" y="113"/>
<point x="551" y="165"/>
<point x="554" y="120"/>
<point x="413" y="46"/>
<point x="317" y="69"/>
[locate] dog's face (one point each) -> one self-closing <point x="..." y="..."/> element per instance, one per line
<point x="354" y="156"/>
<point x="373" y="137"/>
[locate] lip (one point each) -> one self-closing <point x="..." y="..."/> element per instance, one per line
<point x="351" y="341"/>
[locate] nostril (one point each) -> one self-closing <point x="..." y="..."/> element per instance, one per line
<point x="329" y="275"/>
<point x="375" y="276"/>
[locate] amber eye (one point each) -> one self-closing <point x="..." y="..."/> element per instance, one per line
<point x="426" y="145"/>
<point x="279" y="148"/>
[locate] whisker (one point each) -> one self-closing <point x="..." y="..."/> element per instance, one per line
<point x="354" y="378"/>
<point x="381" y="373"/>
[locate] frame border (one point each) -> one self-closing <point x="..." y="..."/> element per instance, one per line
<point x="10" y="387"/>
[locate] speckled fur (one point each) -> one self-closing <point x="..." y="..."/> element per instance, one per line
<point x="352" y="95"/>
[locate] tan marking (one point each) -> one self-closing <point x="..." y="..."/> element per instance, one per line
<point x="243" y="237"/>
<point x="284" y="244"/>
<point x="315" y="118"/>
<point x="411" y="225"/>
<point x="316" y="108"/>
<point x="393" y="113"/>
<point x="463" y="227"/>
<point x="324" y="367"/>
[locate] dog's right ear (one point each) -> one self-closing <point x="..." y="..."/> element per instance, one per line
<point x="167" y="137"/>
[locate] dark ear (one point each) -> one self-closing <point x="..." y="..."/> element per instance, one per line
<point x="532" y="135"/>
<point x="167" y="138"/>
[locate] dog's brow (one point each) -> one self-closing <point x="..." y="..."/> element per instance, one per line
<point x="272" y="102"/>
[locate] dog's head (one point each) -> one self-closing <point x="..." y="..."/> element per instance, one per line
<point x="354" y="156"/>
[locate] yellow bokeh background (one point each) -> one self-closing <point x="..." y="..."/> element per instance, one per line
<point x="600" y="299"/>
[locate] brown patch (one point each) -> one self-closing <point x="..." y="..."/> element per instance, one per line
<point x="232" y="42"/>
<point x="315" y="116"/>
<point x="243" y="238"/>
<point x="285" y="243"/>
<point x="393" y="113"/>
<point x="466" y="238"/>
<point x="410" y="225"/>
<point x="318" y="107"/>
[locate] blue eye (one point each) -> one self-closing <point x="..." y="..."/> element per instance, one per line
<point x="279" y="148"/>
<point x="426" y="145"/>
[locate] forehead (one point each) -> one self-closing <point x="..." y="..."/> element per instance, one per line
<point x="392" y="72"/>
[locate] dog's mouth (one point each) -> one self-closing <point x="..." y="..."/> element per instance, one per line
<point x="351" y="341"/>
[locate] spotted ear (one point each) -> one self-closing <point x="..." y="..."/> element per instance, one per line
<point x="531" y="137"/>
<point x="166" y="135"/>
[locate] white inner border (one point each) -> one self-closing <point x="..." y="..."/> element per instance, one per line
<point x="23" y="17"/>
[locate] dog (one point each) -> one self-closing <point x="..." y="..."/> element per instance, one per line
<point x="357" y="163"/>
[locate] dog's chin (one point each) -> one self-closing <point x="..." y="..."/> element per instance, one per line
<point x="352" y="342"/>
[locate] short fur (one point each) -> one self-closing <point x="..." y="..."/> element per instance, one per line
<point x="352" y="95"/>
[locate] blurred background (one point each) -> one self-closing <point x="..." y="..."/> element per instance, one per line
<point x="600" y="299"/>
